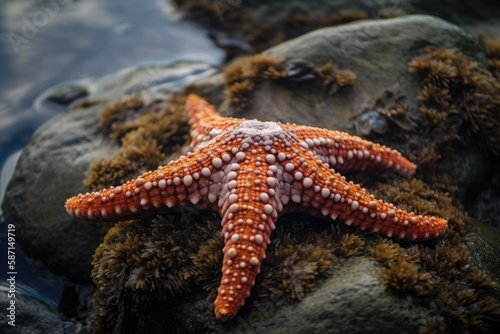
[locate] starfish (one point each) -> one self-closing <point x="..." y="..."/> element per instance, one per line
<point x="252" y="172"/>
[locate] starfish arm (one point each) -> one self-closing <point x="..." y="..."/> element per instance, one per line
<point x="206" y="123"/>
<point x="246" y="230"/>
<point x="249" y="208"/>
<point x="319" y="191"/>
<point x="347" y="153"/>
<point x="193" y="181"/>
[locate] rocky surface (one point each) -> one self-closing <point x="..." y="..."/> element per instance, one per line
<point x="340" y="306"/>
<point x="32" y="317"/>
<point x="54" y="164"/>
<point x="378" y="53"/>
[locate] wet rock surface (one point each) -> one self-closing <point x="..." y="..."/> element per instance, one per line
<point x="340" y="305"/>
<point x="378" y="53"/>
<point x="54" y="164"/>
<point x="56" y="160"/>
<point x="32" y="316"/>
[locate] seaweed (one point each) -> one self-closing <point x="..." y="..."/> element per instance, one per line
<point x="146" y="133"/>
<point x="256" y="25"/>
<point x="244" y="76"/>
<point x="454" y="87"/>
<point x="162" y="263"/>
<point x="492" y="48"/>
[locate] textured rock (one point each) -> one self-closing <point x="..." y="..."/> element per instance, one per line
<point x="340" y="305"/>
<point x="50" y="169"/>
<point x="484" y="247"/>
<point x="54" y="163"/>
<point x="376" y="51"/>
<point x="53" y="166"/>
<point x="355" y="298"/>
<point x="354" y="294"/>
<point x="32" y="316"/>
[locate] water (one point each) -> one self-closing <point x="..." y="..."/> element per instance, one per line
<point x="83" y="39"/>
<point x="49" y="42"/>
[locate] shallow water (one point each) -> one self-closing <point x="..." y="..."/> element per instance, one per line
<point x="77" y="40"/>
<point x="48" y="43"/>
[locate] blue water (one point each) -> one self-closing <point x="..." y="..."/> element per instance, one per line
<point x="45" y="43"/>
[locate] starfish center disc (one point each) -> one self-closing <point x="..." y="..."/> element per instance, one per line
<point x="254" y="128"/>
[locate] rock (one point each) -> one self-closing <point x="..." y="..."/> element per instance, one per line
<point x="54" y="163"/>
<point x="393" y="286"/>
<point x="340" y="306"/>
<point x="378" y="52"/>
<point x="484" y="247"/>
<point x="373" y="283"/>
<point x="32" y="316"/>
<point x="242" y="20"/>
<point x="354" y="293"/>
<point x="50" y="169"/>
<point x="62" y="95"/>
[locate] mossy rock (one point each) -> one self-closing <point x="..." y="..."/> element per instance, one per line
<point x="171" y="265"/>
<point x="286" y="83"/>
<point x="142" y="274"/>
<point x="243" y="27"/>
<point x="353" y="301"/>
<point x="162" y="274"/>
<point x="55" y="162"/>
<point x="317" y="277"/>
<point x="377" y="52"/>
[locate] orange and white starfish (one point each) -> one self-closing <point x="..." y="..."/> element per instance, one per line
<point x="251" y="172"/>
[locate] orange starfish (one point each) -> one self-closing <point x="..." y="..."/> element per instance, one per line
<point x="251" y="172"/>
